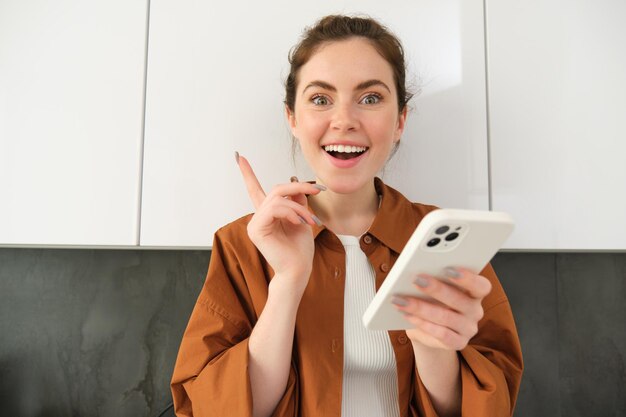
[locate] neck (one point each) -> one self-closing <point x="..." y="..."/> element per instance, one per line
<point x="347" y="214"/>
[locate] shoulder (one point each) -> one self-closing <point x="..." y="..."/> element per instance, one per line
<point x="397" y="217"/>
<point x="235" y="264"/>
<point x="233" y="239"/>
<point x="420" y="209"/>
<point x="235" y="229"/>
<point x="401" y="205"/>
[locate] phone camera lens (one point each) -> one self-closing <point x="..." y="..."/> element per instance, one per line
<point x="452" y="236"/>
<point x="441" y="230"/>
<point x="433" y="242"/>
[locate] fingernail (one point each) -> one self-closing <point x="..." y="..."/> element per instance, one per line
<point x="399" y="301"/>
<point x="302" y="220"/>
<point x="320" y="187"/>
<point x="237" y="156"/>
<point x="422" y="282"/>
<point x="316" y="220"/>
<point x="451" y="272"/>
<point x="293" y="179"/>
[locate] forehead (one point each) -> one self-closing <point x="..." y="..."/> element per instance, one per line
<point x="346" y="63"/>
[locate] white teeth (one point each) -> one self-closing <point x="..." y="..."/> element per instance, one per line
<point x="344" y="148"/>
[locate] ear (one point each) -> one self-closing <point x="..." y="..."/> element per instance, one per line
<point x="291" y="119"/>
<point x="401" y="124"/>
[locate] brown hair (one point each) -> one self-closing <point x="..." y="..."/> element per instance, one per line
<point x="336" y="28"/>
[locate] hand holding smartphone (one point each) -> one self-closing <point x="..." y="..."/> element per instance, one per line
<point x="444" y="238"/>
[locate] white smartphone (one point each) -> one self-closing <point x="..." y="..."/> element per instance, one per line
<point x="444" y="238"/>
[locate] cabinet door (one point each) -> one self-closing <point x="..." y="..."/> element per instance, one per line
<point x="215" y="85"/>
<point x="557" y="104"/>
<point x="71" y="111"/>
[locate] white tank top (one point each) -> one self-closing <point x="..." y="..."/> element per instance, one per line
<point x="370" y="378"/>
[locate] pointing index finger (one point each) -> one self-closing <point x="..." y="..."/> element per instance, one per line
<point x="255" y="191"/>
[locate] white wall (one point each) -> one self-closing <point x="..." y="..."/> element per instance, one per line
<point x="76" y="170"/>
<point x="557" y="104"/>
<point x="71" y="112"/>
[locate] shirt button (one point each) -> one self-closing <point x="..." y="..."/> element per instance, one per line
<point x="367" y="239"/>
<point x="384" y="267"/>
<point x="402" y="339"/>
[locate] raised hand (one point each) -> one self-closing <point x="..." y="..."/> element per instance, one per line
<point x="280" y="227"/>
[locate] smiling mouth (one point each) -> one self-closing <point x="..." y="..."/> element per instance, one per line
<point x="345" y="152"/>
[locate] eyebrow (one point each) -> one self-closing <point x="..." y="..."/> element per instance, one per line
<point x="360" y="86"/>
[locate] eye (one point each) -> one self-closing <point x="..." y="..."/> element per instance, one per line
<point x="372" y="98"/>
<point x="320" y="100"/>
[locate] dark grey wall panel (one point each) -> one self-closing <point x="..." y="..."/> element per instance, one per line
<point x="92" y="332"/>
<point x="592" y="334"/>
<point x="96" y="332"/>
<point x="530" y="284"/>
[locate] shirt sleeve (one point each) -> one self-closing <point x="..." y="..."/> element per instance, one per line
<point x="211" y="373"/>
<point x="491" y="364"/>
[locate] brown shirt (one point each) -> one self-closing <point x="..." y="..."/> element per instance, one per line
<point x="211" y="373"/>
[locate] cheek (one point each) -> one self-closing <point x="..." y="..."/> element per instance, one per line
<point x="384" y="127"/>
<point x="311" y="127"/>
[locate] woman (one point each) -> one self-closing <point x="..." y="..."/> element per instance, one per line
<point x="277" y="331"/>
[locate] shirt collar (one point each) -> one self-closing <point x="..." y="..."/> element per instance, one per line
<point x="395" y="221"/>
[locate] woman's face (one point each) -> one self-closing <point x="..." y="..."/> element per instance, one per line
<point x="346" y="114"/>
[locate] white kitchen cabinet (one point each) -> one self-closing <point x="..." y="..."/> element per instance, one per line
<point x="71" y="111"/>
<point x="215" y="85"/>
<point x="557" y="106"/>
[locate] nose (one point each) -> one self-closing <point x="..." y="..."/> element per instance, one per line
<point x="345" y="118"/>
